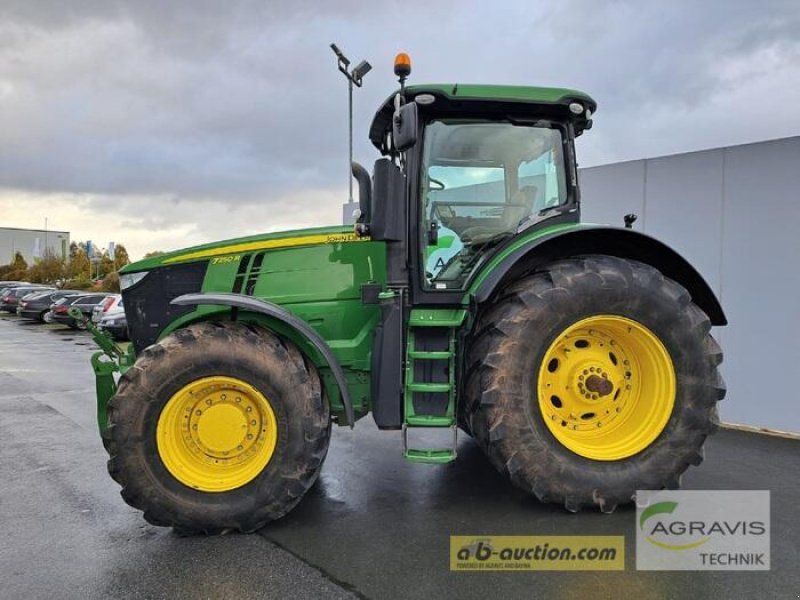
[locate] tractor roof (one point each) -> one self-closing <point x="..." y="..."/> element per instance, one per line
<point x="468" y="98"/>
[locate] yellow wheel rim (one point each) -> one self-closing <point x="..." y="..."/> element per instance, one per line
<point x="216" y="434"/>
<point x="606" y="387"/>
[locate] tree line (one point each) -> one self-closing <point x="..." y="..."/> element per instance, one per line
<point x="77" y="271"/>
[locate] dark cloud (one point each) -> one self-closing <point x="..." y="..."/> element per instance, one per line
<point x="240" y="103"/>
<point x="195" y="99"/>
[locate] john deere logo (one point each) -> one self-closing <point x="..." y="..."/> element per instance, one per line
<point x="664" y="532"/>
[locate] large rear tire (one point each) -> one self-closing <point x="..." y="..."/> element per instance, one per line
<point x="218" y="427"/>
<point x="592" y="378"/>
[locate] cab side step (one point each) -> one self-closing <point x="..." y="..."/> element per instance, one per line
<point x="430" y="379"/>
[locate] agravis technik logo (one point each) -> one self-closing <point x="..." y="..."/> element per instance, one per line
<point x="660" y="528"/>
<point x="702" y="530"/>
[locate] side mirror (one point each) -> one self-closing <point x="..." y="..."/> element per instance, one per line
<point x="404" y="126"/>
<point x="389" y="205"/>
<point x="364" y="199"/>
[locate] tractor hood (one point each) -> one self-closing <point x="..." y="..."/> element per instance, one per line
<point x="264" y="241"/>
<point x="304" y="270"/>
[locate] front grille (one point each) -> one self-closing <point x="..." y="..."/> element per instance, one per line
<point x="147" y="304"/>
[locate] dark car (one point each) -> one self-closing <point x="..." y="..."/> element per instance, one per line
<point x="4" y="285"/>
<point x="7" y="286"/>
<point x="35" y="307"/>
<point x="11" y="296"/>
<point x="84" y="302"/>
<point x="115" y="323"/>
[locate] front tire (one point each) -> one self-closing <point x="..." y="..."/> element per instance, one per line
<point x="592" y="378"/>
<point x="218" y="427"/>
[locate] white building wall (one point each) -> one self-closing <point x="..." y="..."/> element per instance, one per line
<point x="734" y="213"/>
<point x="24" y="241"/>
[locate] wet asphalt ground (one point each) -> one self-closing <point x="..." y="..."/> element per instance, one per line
<point x="374" y="526"/>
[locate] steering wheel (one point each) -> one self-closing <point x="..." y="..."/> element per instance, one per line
<point x="439" y="184"/>
<point x="478" y="234"/>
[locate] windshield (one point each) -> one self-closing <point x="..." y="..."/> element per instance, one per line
<point x="481" y="183"/>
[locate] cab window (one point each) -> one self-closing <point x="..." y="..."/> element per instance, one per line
<point x="481" y="183"/>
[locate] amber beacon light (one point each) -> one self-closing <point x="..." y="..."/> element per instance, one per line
<point x="402" y="65"/>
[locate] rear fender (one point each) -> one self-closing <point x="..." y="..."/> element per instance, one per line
<point x="597" y="239"/>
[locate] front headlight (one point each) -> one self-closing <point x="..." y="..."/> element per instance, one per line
<point x="130" y="279"/>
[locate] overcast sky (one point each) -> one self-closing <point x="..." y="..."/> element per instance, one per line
<point x="164" y="124"/>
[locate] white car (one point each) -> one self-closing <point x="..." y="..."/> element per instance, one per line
<point x="113" y="302"/>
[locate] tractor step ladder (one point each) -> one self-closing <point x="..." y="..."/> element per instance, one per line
<point x="444" y="325"/>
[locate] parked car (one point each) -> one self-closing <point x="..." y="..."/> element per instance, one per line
<point x="48" y="316"/>
<point x="85" y="303"/>
<point x="36" y="306"/>
<point x="8" y="289"/>
<point x="7" y="286"/>
<point x="110" y="303"/>
<point x="115" y="322"/>
<point x="11" y="296"/>
<point x="10" y="284"/>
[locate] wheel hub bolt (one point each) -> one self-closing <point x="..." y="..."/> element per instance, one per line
<point x="599" y="385"/>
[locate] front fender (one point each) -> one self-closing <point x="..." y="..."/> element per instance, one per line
<point x="281" y="314"/>
<point x="554" y="243"/>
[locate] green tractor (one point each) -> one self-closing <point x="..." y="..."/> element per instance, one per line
<point x="467" y="296"/>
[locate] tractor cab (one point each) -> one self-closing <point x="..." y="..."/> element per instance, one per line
<point x="465" y="170"/>
<point x="477" y="164"/>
